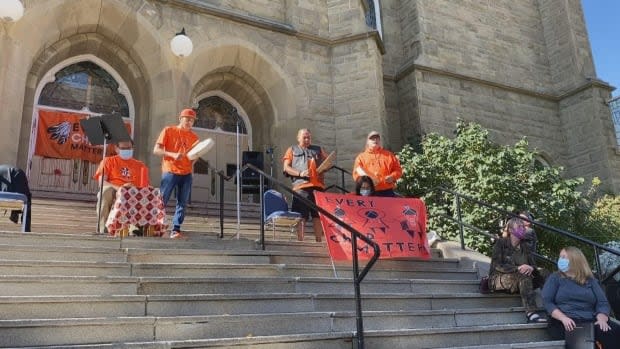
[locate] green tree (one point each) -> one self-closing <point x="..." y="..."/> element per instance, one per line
<point x="508" y="177"/>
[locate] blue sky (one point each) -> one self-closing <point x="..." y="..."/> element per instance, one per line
<point x="601" y="20"/>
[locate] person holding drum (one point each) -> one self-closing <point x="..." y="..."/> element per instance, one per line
<point x="173" y="144"/>
<point x="302" y="162"/>
<point x="379" y="164"/>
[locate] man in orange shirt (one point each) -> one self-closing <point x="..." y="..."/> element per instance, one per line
<point x="118" y="170"/>
<point x="299" y="161"/>
<point x="379" y="164"/>
<point x="172" y="145"/>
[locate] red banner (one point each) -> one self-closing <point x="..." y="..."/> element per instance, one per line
<point x="398" y="225"/>
<point x="60" y="136"/>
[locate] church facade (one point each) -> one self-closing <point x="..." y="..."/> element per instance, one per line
<point x="261" y="69"/>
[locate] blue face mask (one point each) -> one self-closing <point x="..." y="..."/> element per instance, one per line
<point x="365" y="192"/>
<point x="563" y="264"/>
<point x="125" y="154"/>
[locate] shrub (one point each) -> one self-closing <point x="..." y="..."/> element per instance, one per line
<point x="505" y="176"/>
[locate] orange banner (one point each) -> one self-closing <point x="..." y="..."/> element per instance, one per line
<point x="60" y="136"/>
<point x="398" y="225"/>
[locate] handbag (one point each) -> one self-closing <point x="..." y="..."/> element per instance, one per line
<point x="484" y="285"/>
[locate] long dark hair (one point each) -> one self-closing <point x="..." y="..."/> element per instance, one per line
<point x="360" y="181"/>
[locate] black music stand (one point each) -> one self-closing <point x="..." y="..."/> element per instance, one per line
<point x="102" y="130"/>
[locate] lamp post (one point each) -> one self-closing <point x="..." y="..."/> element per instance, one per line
<point x="11" y="10"/>
<point x="181" y="45"/>
<point x="237" y="118"/>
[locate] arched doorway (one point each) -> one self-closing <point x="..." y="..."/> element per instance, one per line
<point x="217" y="117"/>
<point x="60" y="157"/>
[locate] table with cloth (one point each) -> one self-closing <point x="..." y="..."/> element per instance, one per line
<point x="142" y="207"/>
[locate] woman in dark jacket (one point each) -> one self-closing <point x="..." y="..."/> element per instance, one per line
<point x="513" y="269"/>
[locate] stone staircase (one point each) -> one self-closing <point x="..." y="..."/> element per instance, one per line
<point x="63" y="287"/>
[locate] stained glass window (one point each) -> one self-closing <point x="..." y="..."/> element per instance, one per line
<point x="217" y="114"/>
<point x="85" y="85"/>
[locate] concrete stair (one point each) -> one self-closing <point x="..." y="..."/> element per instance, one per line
<point x="62" y="288"/>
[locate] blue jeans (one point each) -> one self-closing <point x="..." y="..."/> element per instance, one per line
<point x="183" y="183"/>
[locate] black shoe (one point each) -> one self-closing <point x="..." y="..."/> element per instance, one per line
<point x="139" y="231"/>
<point x="15" y="216"/>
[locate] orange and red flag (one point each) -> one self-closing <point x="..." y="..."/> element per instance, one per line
<point x="60" y="136"/>
<point x="397" y="225"/>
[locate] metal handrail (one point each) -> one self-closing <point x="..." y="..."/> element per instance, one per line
<point x="596" y="246"/>
<point x="342" y="181"/>
<point x="223" y="178"/>
<point x="358" y="276"/>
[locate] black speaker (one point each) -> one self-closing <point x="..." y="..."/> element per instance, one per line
<point x="252" y="157"/>
<point x="250" y="179"/>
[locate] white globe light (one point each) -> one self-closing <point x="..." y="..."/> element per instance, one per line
<point x="181" y="45"/>
<point x="11" y="10"/>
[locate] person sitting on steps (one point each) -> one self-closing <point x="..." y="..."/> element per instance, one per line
<point x="513" y="269"/>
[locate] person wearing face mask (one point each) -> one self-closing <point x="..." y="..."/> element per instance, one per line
<point x="380" y="164"/>
<point x="364" y="186"/>
<point x="572" y="296"/>
<point x="118" y="170"/>
<point x="513" y="269"/>
<point x="173" y="144"/>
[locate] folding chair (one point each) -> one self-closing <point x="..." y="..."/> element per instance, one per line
<point x="15" y="201"/>
<point x="277" y="213"/>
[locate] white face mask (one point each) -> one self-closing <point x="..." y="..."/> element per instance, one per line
<point x="365" y="192"/>
<point x="125" y="154"/>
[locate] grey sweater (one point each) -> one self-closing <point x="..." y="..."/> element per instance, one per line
<point x="578" y="302"/>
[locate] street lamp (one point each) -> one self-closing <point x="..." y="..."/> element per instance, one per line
<point x="181" y="45"/>
<point x="11" y="10"/>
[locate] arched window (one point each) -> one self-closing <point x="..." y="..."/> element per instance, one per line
<point x="215" y="113"/>
<point x="85" y="86"/>
<point x="373" y="16"/>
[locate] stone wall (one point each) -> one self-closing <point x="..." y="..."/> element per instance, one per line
<point x="520" y="68"/>
<point x="284" y="78"/>
<point x="516" y="67"/>
<point x="590" y="140"/>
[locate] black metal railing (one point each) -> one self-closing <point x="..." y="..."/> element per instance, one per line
<point x="571" y="235"/>
<point x="223" y="178"/>
<point x="343" y="185"/>
<point x="358" y="276"/>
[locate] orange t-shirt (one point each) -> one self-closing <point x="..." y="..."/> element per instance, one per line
<point x="119" y="171"/>
<point x="378" y="164"/>
<point x="177" y="140"/>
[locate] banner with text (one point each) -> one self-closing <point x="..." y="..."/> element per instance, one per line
<point x="397" y="225"/>
<point x="60" y="136"/>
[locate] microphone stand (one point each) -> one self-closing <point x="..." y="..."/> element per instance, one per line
<point x="106" y="137"/>
<point x="234" y="110"/>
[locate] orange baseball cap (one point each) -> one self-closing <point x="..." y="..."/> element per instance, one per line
<point x="189" y="113"/>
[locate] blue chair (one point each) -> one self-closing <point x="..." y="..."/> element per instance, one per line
<point x="15" y="201"/>
<point x="277" y="213"/>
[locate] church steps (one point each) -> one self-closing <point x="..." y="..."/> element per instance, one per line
<point x="526" y="335"/>
<point x="83" y="268"/>
<point x="69" y="288"/>
<point x="59" y="253"/>
<point x="92" y="285"/>
<point x="144" y="328"/>
<point x="77" y="306"/>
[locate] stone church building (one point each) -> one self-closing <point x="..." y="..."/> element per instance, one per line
<point x="261" y="69"/>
